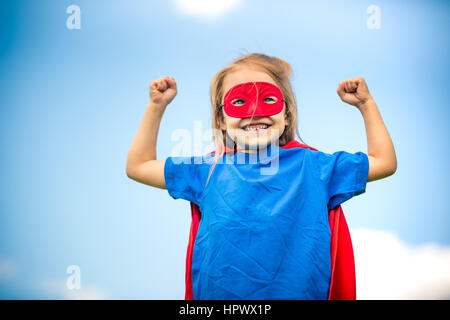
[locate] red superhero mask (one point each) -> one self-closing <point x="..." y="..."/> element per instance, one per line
<point x="253" y="99"/>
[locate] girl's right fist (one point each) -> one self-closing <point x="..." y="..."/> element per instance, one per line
<point x="163" y="90"/>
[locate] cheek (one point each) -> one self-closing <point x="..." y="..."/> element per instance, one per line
<point x="231" y="122"/>
<point x="279" y="120"/>
<point x="231" y="125"/>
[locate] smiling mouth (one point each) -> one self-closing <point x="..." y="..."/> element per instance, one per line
<point x="255" y="127"/>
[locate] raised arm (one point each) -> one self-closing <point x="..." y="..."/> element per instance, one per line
<point x="381" y="152"/>
<point x="142" y="164"/>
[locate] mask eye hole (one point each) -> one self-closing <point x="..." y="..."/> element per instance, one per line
<point x="238" y="102"/>
<point x="270" y="99"/>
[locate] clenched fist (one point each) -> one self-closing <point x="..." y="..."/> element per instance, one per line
<point x="163" y="90"/>
<point x="354" y="91"/>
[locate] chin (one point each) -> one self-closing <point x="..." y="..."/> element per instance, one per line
<point x="256" y="142"/>
<point x="252" y="141"/>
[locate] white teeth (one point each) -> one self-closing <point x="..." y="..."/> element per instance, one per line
<point x="256" y="127"/>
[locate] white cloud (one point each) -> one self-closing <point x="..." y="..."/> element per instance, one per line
<point x="387" y="268"/>
<point x="206" y="8"/>
<point x="58" y="288"/>
<point x="88" y="293"/>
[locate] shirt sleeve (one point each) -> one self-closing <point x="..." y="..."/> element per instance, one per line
<point x="344" y="175"/>
<point x="184" y="177"/>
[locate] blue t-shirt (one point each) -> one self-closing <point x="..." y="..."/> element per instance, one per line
<point x="264" y="231"/>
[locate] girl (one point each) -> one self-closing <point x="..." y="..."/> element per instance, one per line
<point x="261" y="236"/>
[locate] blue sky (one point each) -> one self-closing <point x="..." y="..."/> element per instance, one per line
<point x="72" y="100"/>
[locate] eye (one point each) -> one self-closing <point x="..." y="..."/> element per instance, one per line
<point x="270" y="100"/>
<point x="238" y="102"/>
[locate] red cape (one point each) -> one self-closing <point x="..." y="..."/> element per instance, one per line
<point x="343" y="283"/>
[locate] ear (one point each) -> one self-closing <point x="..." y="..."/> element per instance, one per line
<point x="222" y="125"/>
<point x="286" y="112"/>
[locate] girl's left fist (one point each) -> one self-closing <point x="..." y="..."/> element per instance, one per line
<point x="354" y="91"/>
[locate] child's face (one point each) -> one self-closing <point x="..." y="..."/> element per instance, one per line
<point x="253" y="139"/>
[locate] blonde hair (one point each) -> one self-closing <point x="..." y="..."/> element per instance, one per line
<point x="280" y="71"/>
